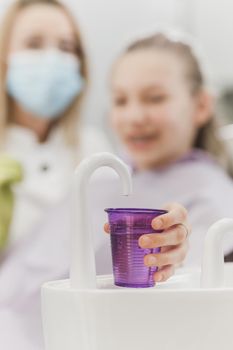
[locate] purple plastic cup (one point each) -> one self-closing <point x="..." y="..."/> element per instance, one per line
<point x="126" y="226"/>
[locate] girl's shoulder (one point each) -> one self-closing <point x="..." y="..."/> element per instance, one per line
<point x="200" y="166"/>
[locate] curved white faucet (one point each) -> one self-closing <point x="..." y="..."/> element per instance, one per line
<point x="213" y="257"/>
<point x="83" y="272"/>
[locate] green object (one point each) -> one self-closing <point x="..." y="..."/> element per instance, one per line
<point x="10" y="173"/>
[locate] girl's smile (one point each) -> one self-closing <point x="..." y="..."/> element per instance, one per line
<point x="141" y="141"/>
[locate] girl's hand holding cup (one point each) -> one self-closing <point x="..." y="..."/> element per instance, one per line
<point x="172" y="230"/>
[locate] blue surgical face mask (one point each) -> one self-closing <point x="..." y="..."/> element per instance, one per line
<point x="44" y="82"/>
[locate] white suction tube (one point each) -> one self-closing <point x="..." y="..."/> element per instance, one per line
<point x="83" y="271"/>
<point x="213" y="257"/>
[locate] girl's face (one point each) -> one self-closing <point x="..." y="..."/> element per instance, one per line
<point x="41" y="27"/>
<point x="153" y="111"/>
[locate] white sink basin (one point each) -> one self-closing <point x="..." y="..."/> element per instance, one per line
<point x="192" y="311"/>
<point x="173" y="315"/>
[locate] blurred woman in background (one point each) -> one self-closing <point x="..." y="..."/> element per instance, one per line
<point x="43" y="80"/>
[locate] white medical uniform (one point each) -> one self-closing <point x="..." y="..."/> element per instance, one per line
<point x="48" y="168"/>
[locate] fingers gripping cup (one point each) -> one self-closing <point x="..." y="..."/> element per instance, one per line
<point x="126" y="227"/>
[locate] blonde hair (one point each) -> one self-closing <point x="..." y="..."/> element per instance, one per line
<point x="207" y="137"/>
<point x="68" y="121"/>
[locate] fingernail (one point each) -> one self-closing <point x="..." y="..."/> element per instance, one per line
<point x="151" y="260"/>
<point x="157" y="224"/>
<point x="145" y="241"/>
<point x="158" y="278"/>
